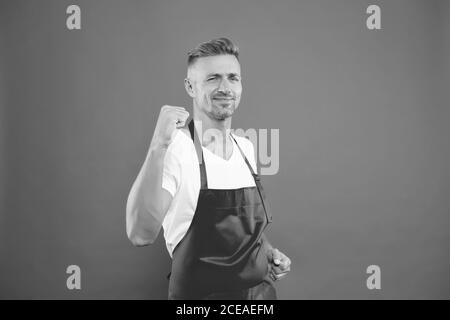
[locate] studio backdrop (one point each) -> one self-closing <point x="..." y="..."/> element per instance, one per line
<point x="361" y="108"/>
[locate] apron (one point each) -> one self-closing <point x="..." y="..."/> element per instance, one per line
<point x="223" y="253"/>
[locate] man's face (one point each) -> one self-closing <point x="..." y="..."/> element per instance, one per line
<point x="216" y="85"/>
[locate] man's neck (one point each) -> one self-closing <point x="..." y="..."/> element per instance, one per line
<point x="215" y="134"/>
<point x="209" y="126"/>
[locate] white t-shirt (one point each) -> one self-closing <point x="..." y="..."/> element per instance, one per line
<point x="181" y="177"/>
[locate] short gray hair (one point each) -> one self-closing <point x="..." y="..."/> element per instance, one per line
<point x="213" y="47"/>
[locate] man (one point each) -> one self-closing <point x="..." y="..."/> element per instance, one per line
<point x="199" y="183"/>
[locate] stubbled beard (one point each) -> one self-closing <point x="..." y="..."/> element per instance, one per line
<point x="221" y="114"/>
<point x="216" y="112"/>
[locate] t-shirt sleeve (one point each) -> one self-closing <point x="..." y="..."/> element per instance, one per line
<point x="171" y="172"/>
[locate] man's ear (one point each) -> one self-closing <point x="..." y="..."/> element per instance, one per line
<point x="189" y="87"/>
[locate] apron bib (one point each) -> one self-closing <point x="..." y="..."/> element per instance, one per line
<point x="223" y="250"/>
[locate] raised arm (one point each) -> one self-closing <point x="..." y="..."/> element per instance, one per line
<point x="148" y="202"/>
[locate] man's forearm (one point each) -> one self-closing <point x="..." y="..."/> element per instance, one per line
<point x="151" y="188"/>
<point x="144" y="205"/>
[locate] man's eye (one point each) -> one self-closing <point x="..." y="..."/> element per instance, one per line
<point x="213" y="78"/>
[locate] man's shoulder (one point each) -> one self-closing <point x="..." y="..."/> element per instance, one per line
<point x="180" y="144"/>
<point x="185" y="131"/>
<point x="244" y="142"/>
<point x="247" y="147"/>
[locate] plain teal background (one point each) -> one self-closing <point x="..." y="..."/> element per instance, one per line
<point x="363" y="118"/>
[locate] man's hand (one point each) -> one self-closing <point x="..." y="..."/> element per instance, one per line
<point x="279" y="264"/>
<point x="170" y="118"/>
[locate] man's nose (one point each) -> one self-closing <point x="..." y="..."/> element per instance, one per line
<point x="224" y="87"/>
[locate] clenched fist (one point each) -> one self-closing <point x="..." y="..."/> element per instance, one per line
<point x="170" y="118"/>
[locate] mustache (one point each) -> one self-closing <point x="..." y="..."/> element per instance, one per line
<point x="223" y="97"/>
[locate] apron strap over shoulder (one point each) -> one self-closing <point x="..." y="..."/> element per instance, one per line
<point x="199" y="151"/>
<point x="258" y="184"/>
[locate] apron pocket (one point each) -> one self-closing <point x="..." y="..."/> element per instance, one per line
<point x="234" y="230"/>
